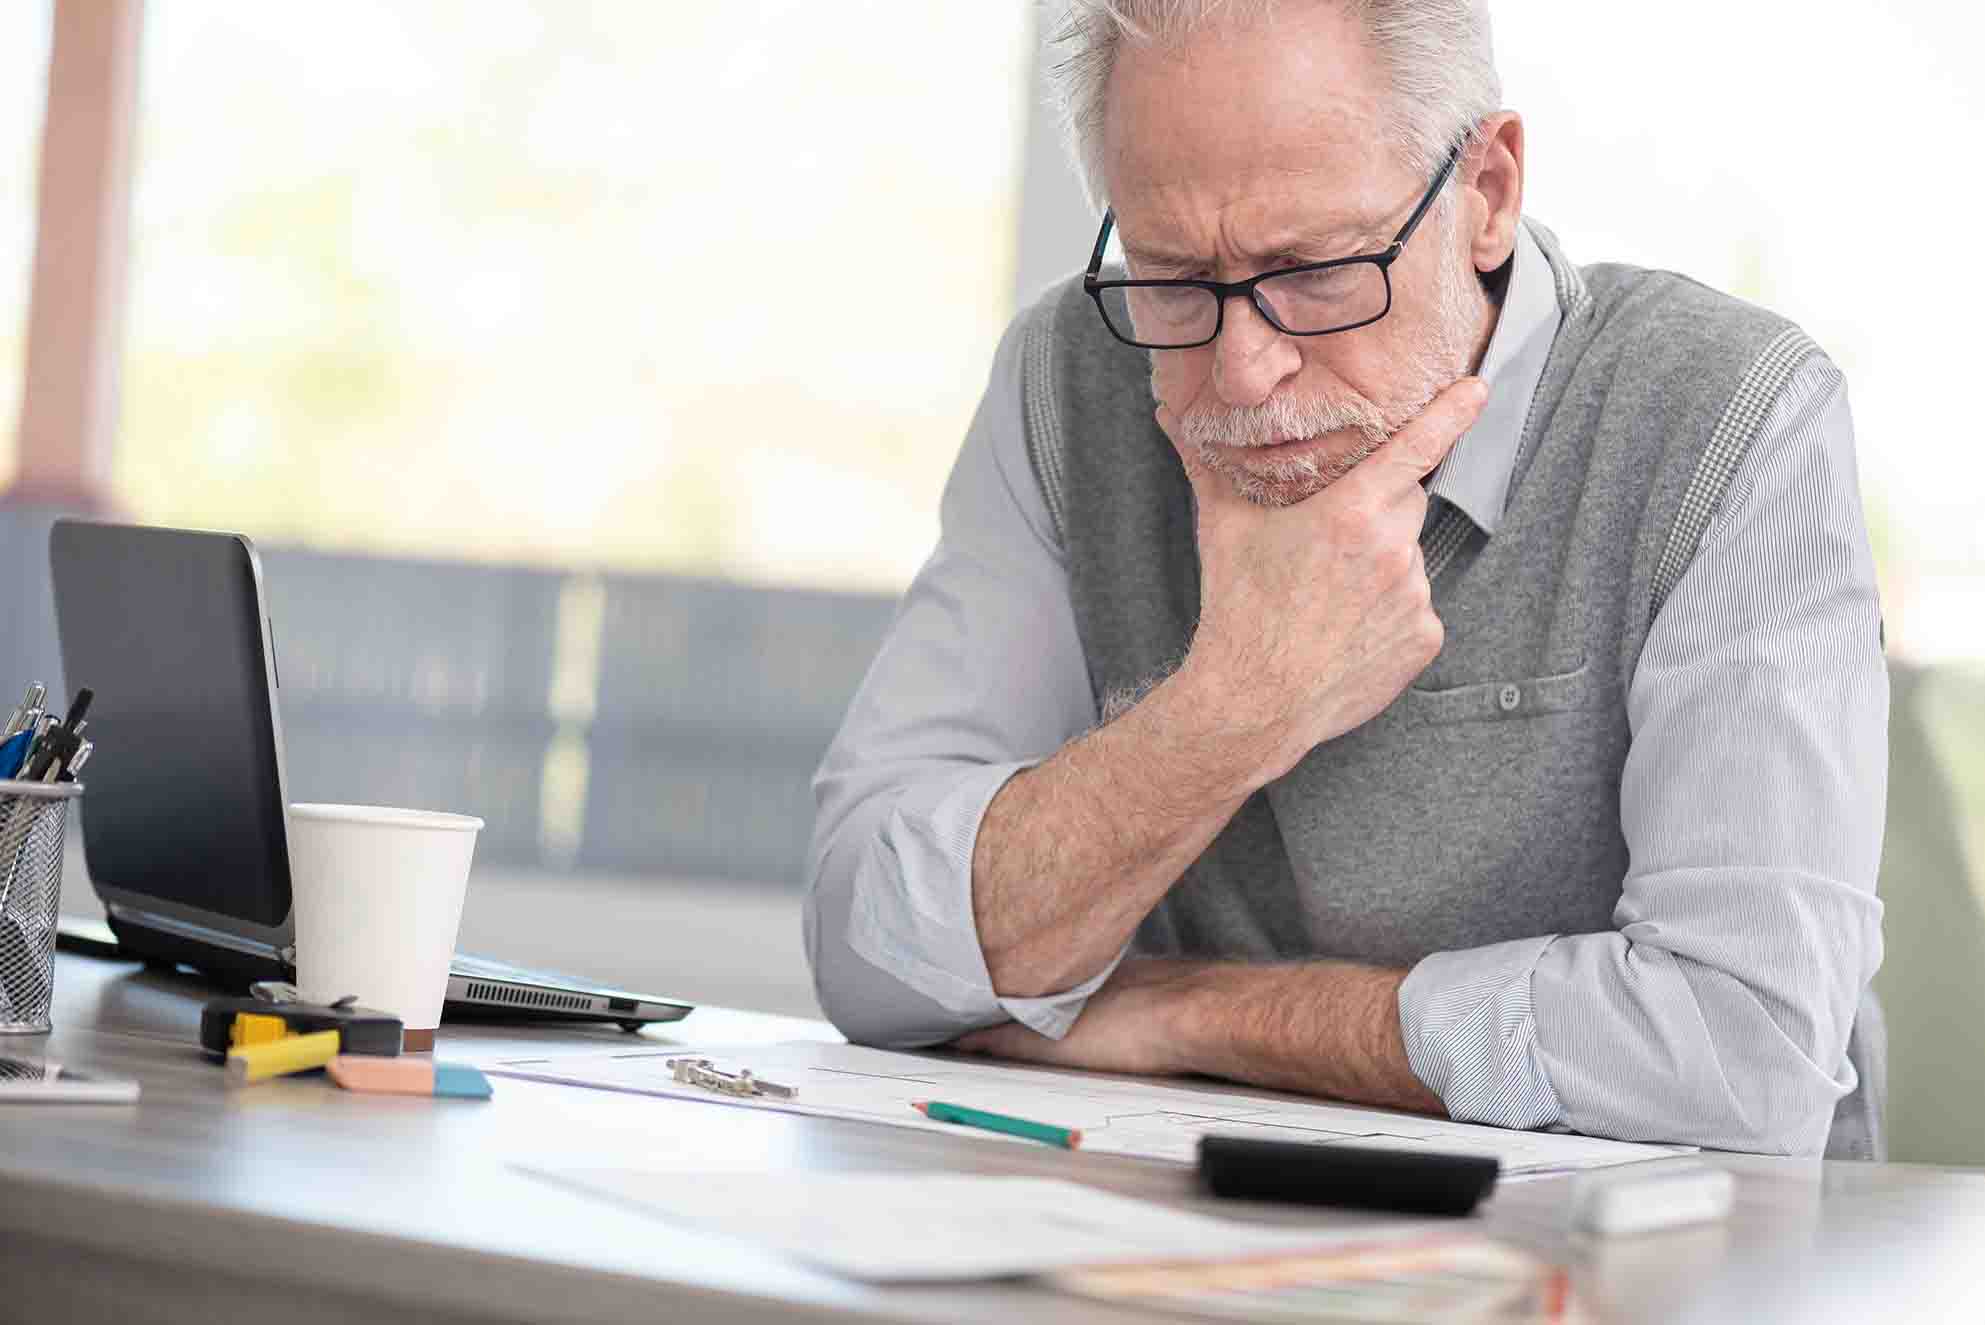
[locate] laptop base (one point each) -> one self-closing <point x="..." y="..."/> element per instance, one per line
<point x="113" y="939"/>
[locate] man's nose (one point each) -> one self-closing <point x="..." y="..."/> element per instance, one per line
<point x="1251" y="358"/>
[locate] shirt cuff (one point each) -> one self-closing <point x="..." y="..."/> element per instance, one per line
<point x="1471" y="1038"/>
<point x="912" y="918"/>
<point x="1053" y="1014"/>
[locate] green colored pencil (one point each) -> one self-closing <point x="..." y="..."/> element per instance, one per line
<point x="1068" y="1138"/>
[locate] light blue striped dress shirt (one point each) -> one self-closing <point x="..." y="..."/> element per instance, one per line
<point x="1752" y="796"/>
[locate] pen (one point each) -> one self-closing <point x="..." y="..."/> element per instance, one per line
<point x="1068" y="1138"/>
<point x="30" y="701"/>
<point x="57" y="746"/>
<point x="14" y="753"/>
<point x="42" y="755"/>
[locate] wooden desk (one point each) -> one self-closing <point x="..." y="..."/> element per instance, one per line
<point x="297" y="1203"/>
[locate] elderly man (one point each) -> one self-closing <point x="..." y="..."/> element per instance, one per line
<point x="1369" y="654"/>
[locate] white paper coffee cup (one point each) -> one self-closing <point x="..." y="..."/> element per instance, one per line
<point x="377" y="897"/>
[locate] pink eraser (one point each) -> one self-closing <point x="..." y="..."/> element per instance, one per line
<point x="408" y="1076"/>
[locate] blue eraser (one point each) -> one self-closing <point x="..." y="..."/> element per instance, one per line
<point x="459" y="1082"/>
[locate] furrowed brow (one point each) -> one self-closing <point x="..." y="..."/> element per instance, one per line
<point x="1157" y="255"/>
<point x="1333" y="241"/>
<point x="1341" y="239"/>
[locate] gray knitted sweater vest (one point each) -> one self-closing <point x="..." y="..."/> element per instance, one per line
<point x="1484" y="804"/>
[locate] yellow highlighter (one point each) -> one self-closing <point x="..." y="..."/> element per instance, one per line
<point x="250" y="1063"/>
<point x="252" y="1028"/>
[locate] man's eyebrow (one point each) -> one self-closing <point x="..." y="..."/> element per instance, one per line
<point x="1345" y="238"/>
<point x="1338" y="239"/>
<point x="1157" y="255"/>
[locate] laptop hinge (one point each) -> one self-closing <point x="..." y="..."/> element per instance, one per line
<point x="186" y="929"/>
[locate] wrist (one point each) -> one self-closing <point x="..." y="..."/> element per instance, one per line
<point x="1322" y="1027"/>
<point x="1189" y="1021"/>
<point x="1231" y="739"/>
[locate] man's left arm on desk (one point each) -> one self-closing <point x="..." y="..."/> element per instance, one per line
<point x="1718" y="1011"/>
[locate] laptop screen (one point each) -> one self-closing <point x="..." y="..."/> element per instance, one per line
<point x="185" y="802"/>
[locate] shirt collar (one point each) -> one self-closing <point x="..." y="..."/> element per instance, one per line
<point x="1476" y="474"/>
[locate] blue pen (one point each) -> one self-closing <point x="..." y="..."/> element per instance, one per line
<point x="14" y="752"/>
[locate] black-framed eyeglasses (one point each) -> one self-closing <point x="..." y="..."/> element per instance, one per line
<point x="1315" y="299"/>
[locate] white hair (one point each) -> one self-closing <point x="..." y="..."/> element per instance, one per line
<point x="1436" y="55"/>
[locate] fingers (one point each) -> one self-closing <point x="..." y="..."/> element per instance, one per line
<point x="1419" y="447"/>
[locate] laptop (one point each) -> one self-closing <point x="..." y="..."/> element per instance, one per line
<point x="185" y="831"/>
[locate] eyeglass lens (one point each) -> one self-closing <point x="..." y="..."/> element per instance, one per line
<point x="1304" y="302"/>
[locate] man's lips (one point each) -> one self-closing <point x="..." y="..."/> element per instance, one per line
<point x="1289" y="449"/>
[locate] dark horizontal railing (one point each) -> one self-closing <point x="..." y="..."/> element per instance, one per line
<point x="686" y="747"/>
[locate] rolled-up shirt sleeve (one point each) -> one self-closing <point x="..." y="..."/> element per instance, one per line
<point x="982" y="675"/>
<point x="1717" y="1011"/>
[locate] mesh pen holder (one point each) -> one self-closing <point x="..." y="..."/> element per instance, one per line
<point x="33" y="817"/>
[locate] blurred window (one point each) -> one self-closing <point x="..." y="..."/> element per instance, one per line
<point x="597" y="284"/>
<point x="707" y="287"/>
<point x="24" y="29"/>
<point x="1821" y="167"/>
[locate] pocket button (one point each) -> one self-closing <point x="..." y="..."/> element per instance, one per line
<point x="1509" y="697"/>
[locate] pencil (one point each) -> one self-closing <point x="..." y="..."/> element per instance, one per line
<point x="1068" y="1138"/>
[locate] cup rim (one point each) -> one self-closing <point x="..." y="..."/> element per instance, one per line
<point x="386" y="816"/>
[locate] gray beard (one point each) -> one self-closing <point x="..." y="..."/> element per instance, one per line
<point x="1285" y="481"/>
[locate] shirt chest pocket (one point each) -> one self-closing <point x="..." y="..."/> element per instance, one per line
<point x="1505" y="699"/>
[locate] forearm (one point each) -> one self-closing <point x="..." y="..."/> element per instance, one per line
<point x="1074" y="853"/>
<point x="1313" y="618"/>
<point x="1321" y="1028"/>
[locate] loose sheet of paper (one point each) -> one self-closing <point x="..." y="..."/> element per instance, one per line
<point x="1141" y="1118"/>
<point x="943" y="1226"/>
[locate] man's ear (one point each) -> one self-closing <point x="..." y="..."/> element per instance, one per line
<point x="1494" y="182"/>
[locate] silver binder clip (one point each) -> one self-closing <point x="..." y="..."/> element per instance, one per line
<point x="702" y="1072"/>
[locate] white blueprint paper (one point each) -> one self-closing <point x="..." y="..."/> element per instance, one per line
<point x="1137" y="1117"/>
